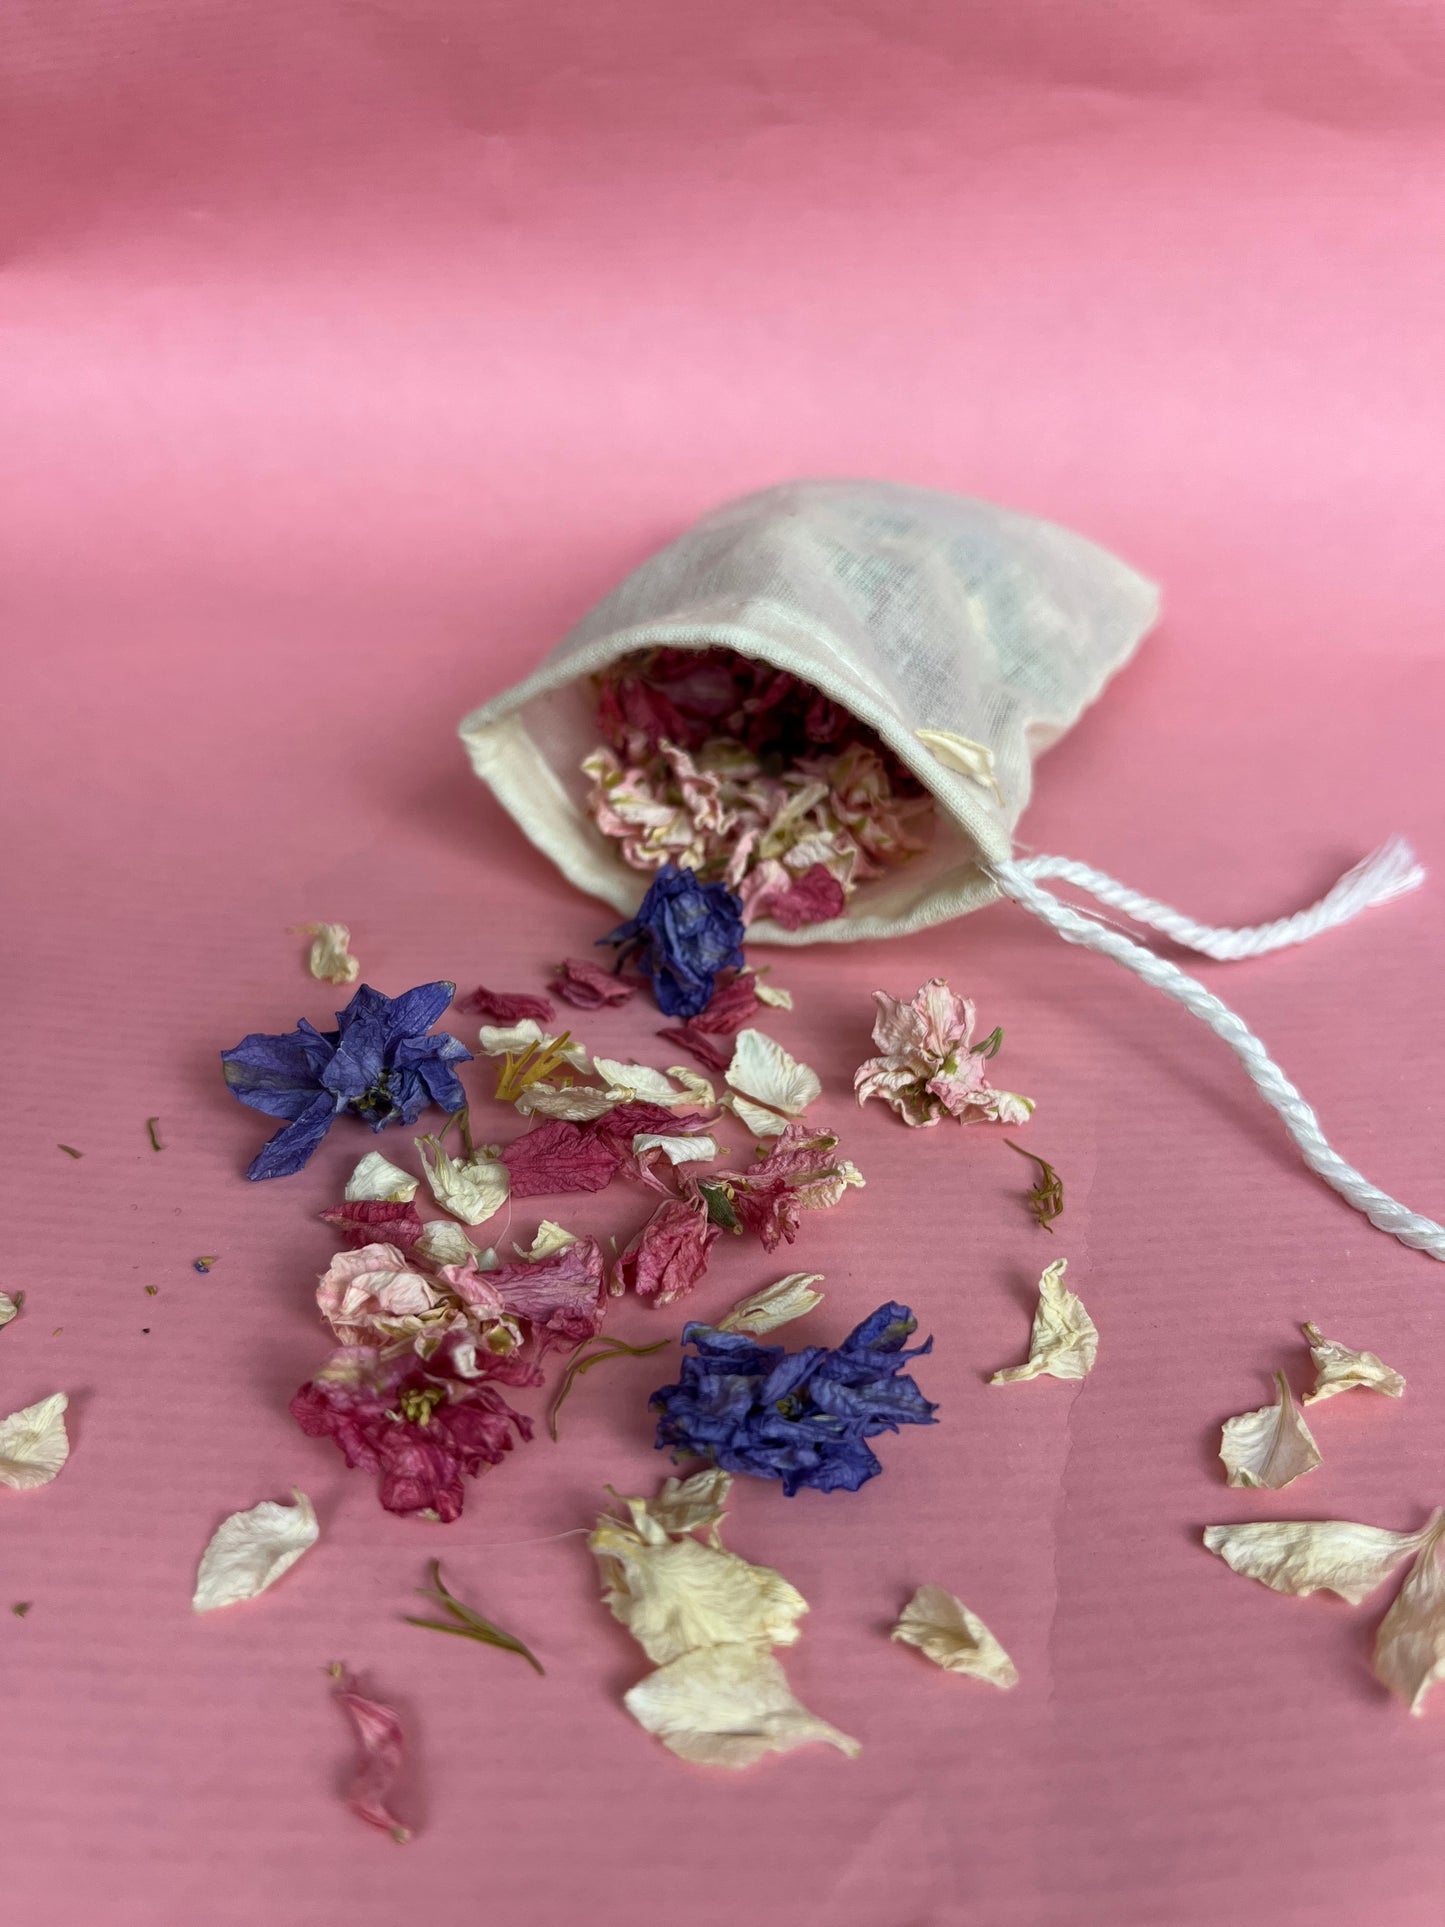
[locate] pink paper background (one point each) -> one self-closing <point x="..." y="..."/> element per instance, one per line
<point x="350" y="351"/>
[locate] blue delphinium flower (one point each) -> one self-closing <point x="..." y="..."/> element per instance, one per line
<point x="684" y="933"/>
<point x="802" y="1417"/>
<point x="380" y="1063"/>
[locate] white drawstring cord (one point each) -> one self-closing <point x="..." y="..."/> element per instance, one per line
<point x="1017" y="880"/>
<point x="1389" y="872"/>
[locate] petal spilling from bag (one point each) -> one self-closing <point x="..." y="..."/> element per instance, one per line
<point x="945" y="1631"/>
<point x="381" y="1751"/>
<point x="764" y="1311"/>
<point x="376" y="1180"/>
<point x="728" y="1706"/>
<point x="1410" y="1645"/>
<point x="1270" y="1448"/>
<point x="1341" y="1370"/>
<point x="1301" y="1556"/>
<point x="1065" y="1340"/>
<point x="769" y="1086"/>
<point x="250" y="1551"/>
<point x="34" y="1444"/>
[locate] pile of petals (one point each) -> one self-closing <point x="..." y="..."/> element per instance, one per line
<point x="747" y="776"/>
<point x="929" y="1067"/>
<point x="803" y="1417"/>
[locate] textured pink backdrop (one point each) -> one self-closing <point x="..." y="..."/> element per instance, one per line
<point x="349" y="351"/>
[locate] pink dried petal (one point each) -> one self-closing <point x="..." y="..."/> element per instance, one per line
<point x="556" y="1157"/>
<point x="670" y="1253"/>
<point x="382" y="1749"/>
<point x="769" y="1208"/>
<point x="733" y="1003"/>
<point x="372" y="1220"/>
<point x="618" y="1127"/>
<point x="474" y="1288"/>
<point x="591" y="985"/>
<point x="368" y="1290"/>
<point x="563" y="1297"/>
<point x="811" y="898"/>
<point x="698" y="1044"/>
<point x="503" y="1007"/>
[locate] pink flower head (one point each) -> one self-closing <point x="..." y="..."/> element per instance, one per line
<point x="503" y="1007"/>
<point x="423" y="1425"/>
<point x="590" y="985"/>
<point x="928" y="1068"/>
<point x="670" y="1253"/>
<point x="373" y="1294"/>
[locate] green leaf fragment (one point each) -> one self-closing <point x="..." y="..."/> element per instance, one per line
<point x="1046" y="1195"/>
<point x="469" y="1623"/>
<point x="720" y="1206"/>
<point x="608" y="1348"/>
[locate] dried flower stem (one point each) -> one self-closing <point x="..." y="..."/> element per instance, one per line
<point x="153" y="1133"/>
<point x="1046" y="1197"/>
<point x="470" y="1624"/>
<point x="991" y="1044"/>
<point x="70" y="1150"/>
<point x="609" y="1348"/>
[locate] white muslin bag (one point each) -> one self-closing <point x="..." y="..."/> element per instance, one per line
<point x="969" y="638"/>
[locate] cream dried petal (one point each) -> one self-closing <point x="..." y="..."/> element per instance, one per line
<point x="674" y="1595"/>
<point x="551" y="1238"/>
<point x="639" y="1082"/>
<point x="728" y="1706"/>
<point x="685" y="1505"/>
<point x="773" y="994"/>
<point x="376" y="1180"/>
<point x="330" y="959"/>
<point x="1270" y="1448"/>
<point x="966" y="757"/>
<point x="444" y="1243"/>
<point x="9" y="1308"/>
<point x="579" y="1103"/>
<point x="1341" y="1370"/>
<point x="764" y="1311"/>
<point x="1301" y="1556"/>
<point x="945" y="1631"/>
<point x="1410" y="1645"/>
<point x="677" y="1150"/>
<point x="697" y="1089"/>
<point x="250" y="1551"/>
<point x="1065" y="1340"/>
<point x="769" y="1086"/>
<point x="515" y="1040"/>
<point x="34" y="1444"/>
<point x="472" y="1189"/>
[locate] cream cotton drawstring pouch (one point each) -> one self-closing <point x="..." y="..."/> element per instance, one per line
<point x="968" y="638"/>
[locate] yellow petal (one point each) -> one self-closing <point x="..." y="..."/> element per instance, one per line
<point x="34" y="1444"/>
<point x="1270" y="1448"/>
<point x="678" y="1594"/>
<point x="945" y="1631"/>
<point x="1341" y="1370"/>
<point x="330" y="959"/>
<point x="1410" y="1645"/>
<point x="1301" y="1556"/>
<point x="551" y="1237"/>
<point x="1065" y="1340"/>
<point x="472" y="1189"/>
<point x="791" y="1297"/>
<point x="728" y="1706"/>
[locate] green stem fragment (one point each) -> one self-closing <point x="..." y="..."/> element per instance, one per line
<point x="608" y="1348"/>
<point x="990" y="1045"/>
<point x="153" y="1133"/>
<point x="470" y="1624"/>
<point x="70" y="1150"/>
<point x="1046" y="1196"/>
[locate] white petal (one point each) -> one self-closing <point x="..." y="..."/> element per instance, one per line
<point x="791" y="1297"/>
<point x="683" y="1505"/>
<point x="638" y="1081"/>
<point x="472" y="1189"/>
<point x="551" y="1237"/>
<point x="34" y="1444"/>
<point x="331" y="960"/>
<point x="1410" y="1645"/>
<point x="1065" y="1340"/>
<point x="697" y="1089"/>
<point x="580" y="1103"/>
<point x="961" y="753"/>
<point x="676" y="1594"/>
<point x="1341" y="1370"/>
<point x="1270" y="1448"/>
<point x="772" y="994"/>
<point x="9" y="1308"/>
<point x="945" y="1631"/>
<point x="515" y="1040"/>
<point x="1301" y="1556"/>
<point x="762" y="1073"/>
<point x="377" y="1180"/>
<point x="677" y="1150"/>
<point x="250" y="1551"/>
<point x="727" y="1706"/>
<point x="444" y="1243"/>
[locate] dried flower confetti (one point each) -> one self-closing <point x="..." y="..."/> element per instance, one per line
<point x="1269" y="1448"/>
<point x="154" y="1134"/>
<point x="443" y="1242"/>
<point x="769" y="1086"/>
<point x="676" y="1150"/>
<point x="472" y="1189"/>
<point x="501" y="1007"/>
<point x="204" y="1264"/>
<point x="589" y="985"/>
<point x="250" y="1550"/>
<point x="329" y="958"/>
<point x="670" y="1254"/>
<point x="550" y="1237"/>
<point x="382" y="1750"/>
<point x="1065" y="1340"/>
<point x="1046" y="1195"/>
<point x="34" y="1444"/>
<point x="945" y="1631"/>
<point x="728" y="1706"/>
<point x="584" y="1361"/>
<point x="373" y="1220"/>
<point x="685" y="932"/>
<point x="928" y="1068"/>
<point x="1341" y="1370"/>
<point x="1410" y="1645"/>
<point x="10" y="1307"/>
<point x="1302" y="1556"/>
<point x="764" y="1311"/>
<point x="465" y="1623"/>
<point x="772" y="994"/>
<point x="559" y="1157"/>
<point x="376" y="1180"/>
<point x="372" y="1294"/>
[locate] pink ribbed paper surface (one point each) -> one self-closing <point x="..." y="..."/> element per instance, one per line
<point x="350" y="352"/>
